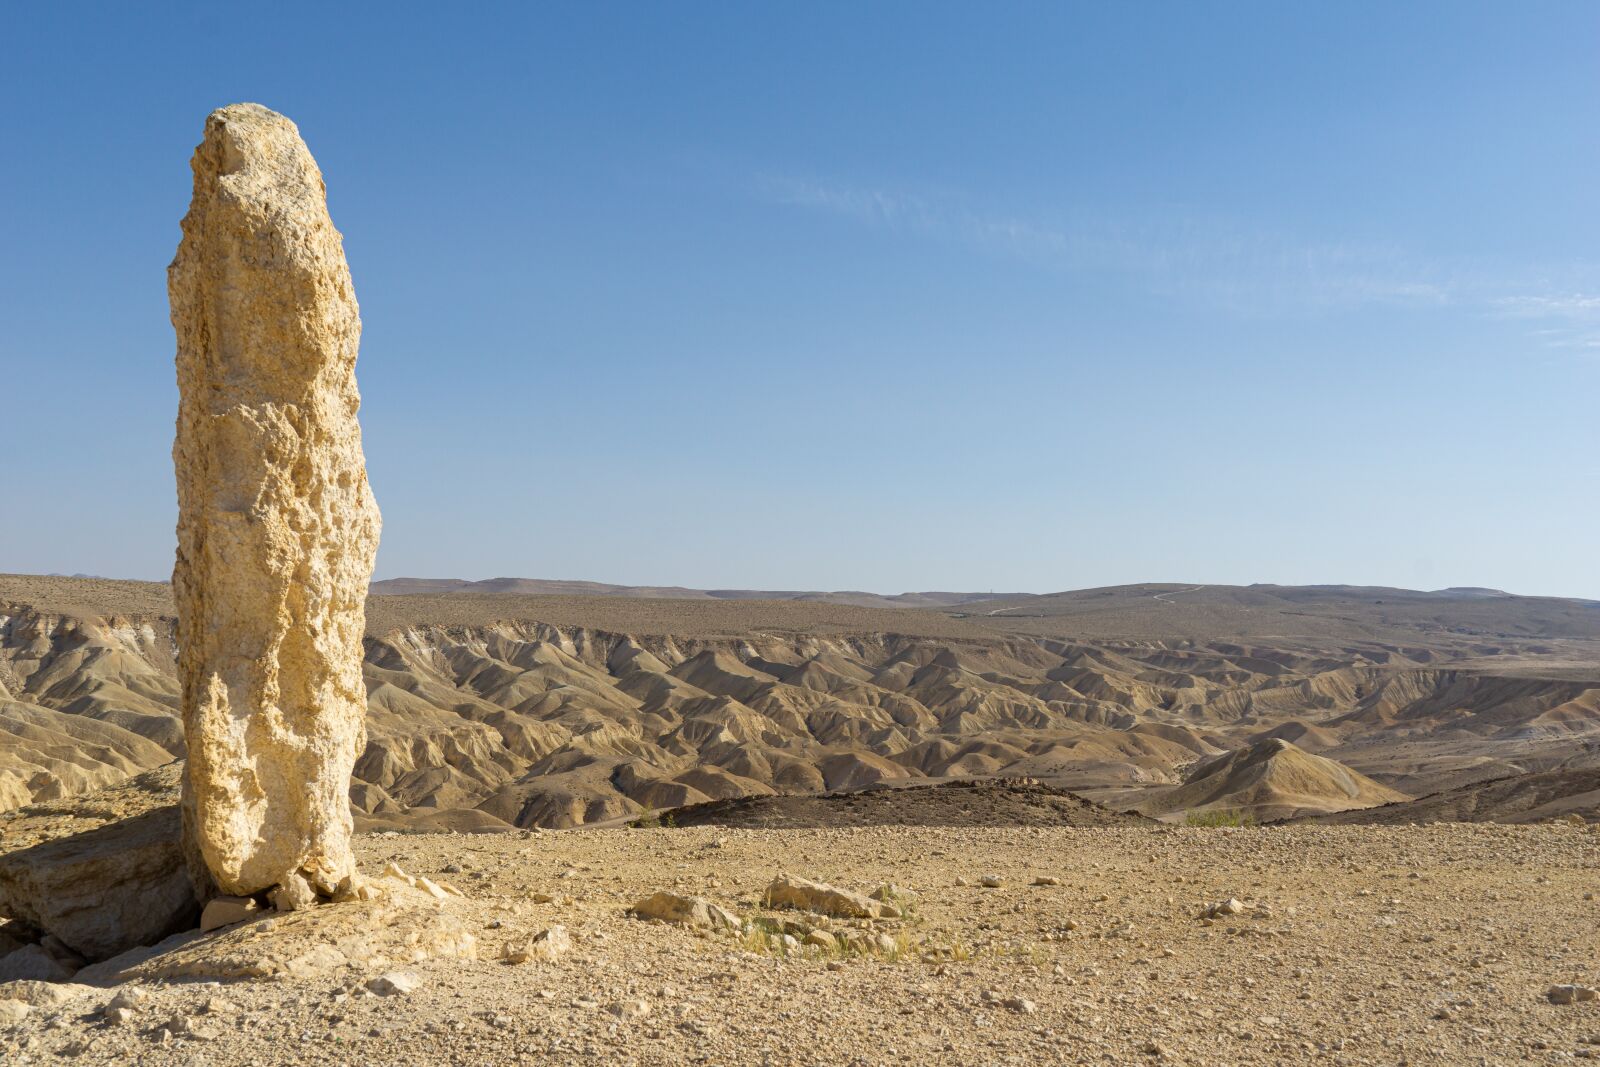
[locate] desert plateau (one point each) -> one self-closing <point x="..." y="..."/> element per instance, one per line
<point x="867" y="535"/>
<point x="1397" y="790"/>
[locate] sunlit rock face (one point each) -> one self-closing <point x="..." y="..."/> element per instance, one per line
<point x="277" y="528"/>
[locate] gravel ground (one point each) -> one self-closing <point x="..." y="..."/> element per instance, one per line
<point x="1355" y="945"/>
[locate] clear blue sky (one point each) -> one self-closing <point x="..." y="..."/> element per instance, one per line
<point x="884" y="296"/>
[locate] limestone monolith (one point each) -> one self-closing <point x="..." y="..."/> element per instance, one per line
<point x="277" y="528"/>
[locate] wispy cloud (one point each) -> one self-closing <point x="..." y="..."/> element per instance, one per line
<point x="1571" y="320"/>
<point x="1221" y="263"/>
<point x="1563" y="305"/>
<point x="913" y="213"/>
<point x="1190" y="258"/>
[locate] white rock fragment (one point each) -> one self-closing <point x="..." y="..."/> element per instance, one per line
<point x="1231" y="906"/>
<point x="545" y="945"/>
<point x="394" y="983"/>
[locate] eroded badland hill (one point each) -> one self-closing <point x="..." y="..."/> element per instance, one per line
<point x="995" y="794"/>
<point x="494" y="711"/>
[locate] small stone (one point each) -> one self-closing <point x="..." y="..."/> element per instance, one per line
<point x="991" y="881"/>
<point x="225" y="911"/>
<point x="293" y="893"/>
<point x="120" y="1016"/>
<point x="629" y="1009"/>
<point x="349" y="888"/>
<point x="1047" y="879"/>
<point x="190" y="1027"/>
<point x="1020" y="1005"/>
<point x="394" y="983"/>
<point x="545" y="945"/>
<point x="1231" y="906"/>
<point x="432" y="888"/>
<point x="821" y="939"/>
<point x="131" y="997"/>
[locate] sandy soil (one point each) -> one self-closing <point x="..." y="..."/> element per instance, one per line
<point x="1356" y="946"/>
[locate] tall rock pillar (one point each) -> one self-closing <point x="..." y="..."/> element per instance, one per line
<point x="277" y="528"/>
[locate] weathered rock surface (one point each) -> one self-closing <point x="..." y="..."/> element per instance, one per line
<point x="1571" y="994"/>
<point x="104" y="891"/>
<point x="394" y="984"/>
<point x="225" y="911"/>
<point x="788" y="891"/>
<point x="485" y="712"/>
<point x="545" y="945"/>
<point x="47" y="995"/>
<point x="684" y="911"/>
<point x="31" y="963"/>
<point x="1222" y="908"/>
<point x="277" y="528"/>
<point x="398" y="925"/>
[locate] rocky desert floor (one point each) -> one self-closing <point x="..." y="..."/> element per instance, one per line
<point x="1353" y="945"/>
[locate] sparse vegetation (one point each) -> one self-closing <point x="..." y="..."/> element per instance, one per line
<point x="1219" y="817"/>
<point x="654" y="820"/>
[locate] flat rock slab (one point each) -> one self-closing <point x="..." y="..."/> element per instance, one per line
<point x="104" y="891"/>
<point x="47" y="995"/>
<point x="684" y="911"/>
<point x="402" y="927"/>
<point x="802" y="894"/>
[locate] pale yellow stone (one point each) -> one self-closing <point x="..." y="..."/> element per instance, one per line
<point x="277" y="528"/>
<point x="788" y="891"/>
<point x="225" y="911"/>
<point x="294" y="893"/>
